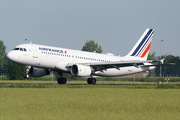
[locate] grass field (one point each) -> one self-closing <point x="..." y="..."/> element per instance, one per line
<point x="89" y="104"/>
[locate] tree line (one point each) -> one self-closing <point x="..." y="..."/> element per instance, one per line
<point x="16" y="71"/>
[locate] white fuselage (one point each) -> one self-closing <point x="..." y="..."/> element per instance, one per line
<point x="58" y="59"/>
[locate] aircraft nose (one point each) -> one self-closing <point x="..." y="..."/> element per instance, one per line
<point x="10" y="56"/>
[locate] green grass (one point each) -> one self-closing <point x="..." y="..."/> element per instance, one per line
<point x="83" y="84"/>
<point x="89" y="104"/>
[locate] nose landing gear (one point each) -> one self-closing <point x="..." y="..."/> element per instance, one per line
<point x="28" y="70"/>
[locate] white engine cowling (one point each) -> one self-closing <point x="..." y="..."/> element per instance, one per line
<point x="81" y="70"/>
<point x="38" y="72"/>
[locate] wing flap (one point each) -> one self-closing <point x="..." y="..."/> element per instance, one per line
<point x="98" y="66"/>
<point x="119" y="63"/>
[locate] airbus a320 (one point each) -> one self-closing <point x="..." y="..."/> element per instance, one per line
<point x="41" y="59"/>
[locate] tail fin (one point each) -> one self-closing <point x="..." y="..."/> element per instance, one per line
<point x="141" y="48"/>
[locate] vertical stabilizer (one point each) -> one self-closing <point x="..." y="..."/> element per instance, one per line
<point x="141" y="48"/>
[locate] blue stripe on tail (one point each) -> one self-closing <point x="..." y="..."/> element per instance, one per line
<point x="145" y="45"/>
<point x="142" y="42"/>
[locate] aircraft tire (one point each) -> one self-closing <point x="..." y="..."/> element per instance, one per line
<point x="59" y="80"/>
<point x="93" y="81"/>
<point x="62" y="80"/>
<point x="26" y="76"/>
<point x="89" y="81"/>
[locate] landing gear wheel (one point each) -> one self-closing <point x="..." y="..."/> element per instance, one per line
<point x="64" y="80"/>
<point x="26" y="76"/>
<point x="91" y="81"/>
<point x="61" y="80"/>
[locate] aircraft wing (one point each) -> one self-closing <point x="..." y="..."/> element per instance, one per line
<point x="98" y="66"/>
<point x="159" y="64"/>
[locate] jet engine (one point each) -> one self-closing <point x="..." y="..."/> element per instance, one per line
<point x="38" y="72"/>
<point x="81" y="70"/>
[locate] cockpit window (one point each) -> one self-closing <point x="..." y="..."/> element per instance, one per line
<point x="16" y="48"/>
<point x="20" y="49"/>
<point x="24" y="49"/>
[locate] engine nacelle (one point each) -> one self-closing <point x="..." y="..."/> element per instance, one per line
<point x="81" y="70"/>
<point x="38" y="72"/>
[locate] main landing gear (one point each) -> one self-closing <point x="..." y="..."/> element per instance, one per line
<point x="91" y="81"/>
<point x="64" y="80"/>
<point x="61" y="80"/>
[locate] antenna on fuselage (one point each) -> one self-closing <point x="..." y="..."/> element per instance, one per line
<point x="30" y="42"/>
<point x="25" y="40"/>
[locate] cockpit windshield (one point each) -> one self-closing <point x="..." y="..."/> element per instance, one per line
<point x="20" y="49"/>
<point x="24" y="49"/>
<point x="16" y="48"/>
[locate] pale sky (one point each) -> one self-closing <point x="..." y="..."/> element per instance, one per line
<point x="116" y="25"/>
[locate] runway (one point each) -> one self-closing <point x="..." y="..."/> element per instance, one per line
<point x="42" y="84"/>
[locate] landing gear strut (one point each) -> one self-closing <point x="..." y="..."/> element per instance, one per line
<point x="61" y="80"/>
<point x="91" y="81"/>
<point x="27" y="71"/>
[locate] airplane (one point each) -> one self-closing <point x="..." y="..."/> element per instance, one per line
<point x="41" y="59"/>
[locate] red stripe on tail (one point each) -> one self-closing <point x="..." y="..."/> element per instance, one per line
<point x="147" y="49"/>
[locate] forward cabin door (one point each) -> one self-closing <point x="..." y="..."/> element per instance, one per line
<point x="35" y="51"/>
